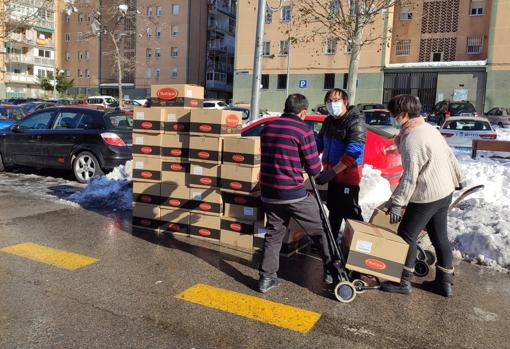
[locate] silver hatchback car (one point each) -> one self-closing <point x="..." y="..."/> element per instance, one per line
<point x="499" y="116"/>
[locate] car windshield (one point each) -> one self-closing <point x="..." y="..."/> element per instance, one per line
<point x="27" y="107"/>
<point x="378" y="118"/>
<point x="467" y="125"/>
<point x="222" y="104"/>
<point x="118" y="122"/>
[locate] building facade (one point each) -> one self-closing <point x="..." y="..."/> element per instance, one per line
<point x="434" y="49"/>
<point x="28" y="50"/>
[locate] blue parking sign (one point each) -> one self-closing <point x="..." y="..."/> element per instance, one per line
<point x="303" y="83"/>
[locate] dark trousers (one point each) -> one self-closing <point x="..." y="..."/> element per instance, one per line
<point x="434" y="217"/>
<point x="343" y="203"/>
<point x="306" y="214"/>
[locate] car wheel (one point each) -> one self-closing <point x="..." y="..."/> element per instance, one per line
<point x="86" y="166"/>
<point x="2" y="167"/>
<point x="500" y="124"/>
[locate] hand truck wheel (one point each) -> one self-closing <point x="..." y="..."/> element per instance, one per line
<point x="358" y="285"/>
<point x="345" y="292"/>
<point x="421" y="269"/>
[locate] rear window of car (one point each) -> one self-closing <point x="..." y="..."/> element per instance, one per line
<point x="466" y="107"/>
<point x="118" y="122"/>
<point x="94" y="101"/>
<point x="209" y="105"/>
<point x="467" y="125"/>
<point x="378" y="118"/>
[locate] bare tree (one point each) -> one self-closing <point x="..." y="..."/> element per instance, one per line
<point x="18" y="14"/>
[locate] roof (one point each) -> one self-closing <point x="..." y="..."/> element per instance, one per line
<point x="474" y="118"/>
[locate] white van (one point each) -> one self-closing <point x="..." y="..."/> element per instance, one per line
<point x="107" y="102"/>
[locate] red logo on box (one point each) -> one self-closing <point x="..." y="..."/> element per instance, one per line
<point x="238" y="158"/>
<point x="375" y="264"/>
<point x="235" y="185"/>
<point x="145" y="222"/>
<point x="174" y="202"/>
<point x="176" y="152"/>
<point x="146" y="150"/>
<point x="176" y="167"/>
<point x="204" y="232"/>
<point x="240" y="200"/>
<point x="174" y="227"/>
<point x="178" y="127"/>
<point x="205" y="128"/>
<point x="206" y="181"/>
<point x="203" y="155"/>
<point x="146" y="124"/>
<point x="167" y="93"/>
<point x="232" y="120"/>
<point x="205" y="206"/>
<point x="145" y="198"/>
<point x="193" y="103"/>
<point x="235" y="227"/>
<point x="146" y="174"/>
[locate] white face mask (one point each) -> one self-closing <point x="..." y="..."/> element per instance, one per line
<point x="335" y="108"/>
<point x="399" y="120"/>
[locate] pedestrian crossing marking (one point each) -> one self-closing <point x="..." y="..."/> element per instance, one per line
<point x="52" y="256"/>
<point x="254" y="308"/>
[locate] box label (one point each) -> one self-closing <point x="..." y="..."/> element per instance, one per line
<point x="138" y="140"/>
<point x="364" y="246"/>
<point x="139" y="165"/>
<point x="196" y="196"/>
<point x="248" y="211"/>
<point x="140" y="115"/>
<point x="198" y="170"/>
<point x="171" y="118"/>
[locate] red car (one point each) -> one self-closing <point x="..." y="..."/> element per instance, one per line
<point x="380" y="149"/>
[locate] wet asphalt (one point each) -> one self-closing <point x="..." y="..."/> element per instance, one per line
<point x="126" y="299"/>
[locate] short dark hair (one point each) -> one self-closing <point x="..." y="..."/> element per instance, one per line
<point x="343" y="93"/>
<point x="405" y="104"/>
<point x="295" y="104"/>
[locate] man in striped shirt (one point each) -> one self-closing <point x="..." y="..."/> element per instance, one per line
<point x="288" y="146"/>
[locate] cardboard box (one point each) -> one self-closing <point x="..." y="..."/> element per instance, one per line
<point x="375" y="251"/>
<point x="181" y="95"/>
<point x="251" y="200"/>
<point x="175" y="147"/>
<point x="243" y="151"/>
<point x="247" y="213"/>
<point x="205" y="227"/>
<point x="146" y="144"/>
<point x="146" y="216"/>
<point x="147" y="192"/>
<point x="174" y="222"/>
<point x="204" y="176"/>
<point x="146" y="169"/>
<point x="175" y="172"/>
<point x="259" y="237"/>
<point x="236" y="233"/>
<point x="294" y="240"/>
<point x="205" y="149"/>
<point x="147" y="120"/>
<point x="214" y="122"/>
<point x="175" y="196"/>
<point x="381" y="219"/>
<point x="239" y="179"/>
<point x="206" y="201"/>
<point x="176" y="120"/>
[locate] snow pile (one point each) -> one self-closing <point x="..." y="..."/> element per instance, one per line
<point x="503" y="134"/>
<point x="374" y="190"/>
<point x="112" y="191"/>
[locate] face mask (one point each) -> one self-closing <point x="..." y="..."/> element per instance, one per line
<point x="335" y="108"/>
<point x="399" y="120"/>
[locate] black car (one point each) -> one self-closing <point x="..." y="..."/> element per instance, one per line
<point x="86" y="141"/>
<point x="444" y="109"/>
<point x="245" y="111"/>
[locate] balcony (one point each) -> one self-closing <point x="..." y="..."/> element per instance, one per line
<point x="21" y="78"/>
<point x="220" y="47"/>
<point x="29" y="59"/>
<point x="23" y="39"/>
<point x="224" y="6"/>
<point x="47" y="62"/>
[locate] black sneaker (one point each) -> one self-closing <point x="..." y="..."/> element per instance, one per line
<point x="267" y="283"/>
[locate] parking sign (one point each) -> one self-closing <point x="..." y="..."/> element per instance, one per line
<point x="303" y="83"/>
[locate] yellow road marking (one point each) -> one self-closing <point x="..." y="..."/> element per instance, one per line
<point x="52" y="256"/>
<point x="276" y="314"/>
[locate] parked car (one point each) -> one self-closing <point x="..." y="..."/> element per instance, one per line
<point x="445" y="109"/>
<point x="245" y="111"/>
<point x="460" y="131"/>
<point x="17" y="101"/>
<point x="106" y="102"/>
<point x="30" y="108"/>
<point x="370" y="106"/>
<point x="381" y="118"/>
<point x="9" y="115"/>
<point x="84" y="140"/>
<point x="499" y="116"/>
<point x="214" y="104"/>
<point x="380" y="150"/>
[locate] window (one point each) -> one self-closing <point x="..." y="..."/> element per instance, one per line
<point x="67" y="120"/>
<point x="149" y="32"/>
<point x="284" y="48"/>
<point x="175" y="30"/>
<point x="477" y="8"/>
<point x="81" y="18"/>
<point x="286" y="13"/>
<point x="68" y="56"/>
<point x="67" y="19"/>
<point x="265" y="81"/>
<point x="157" y="52"/>
<point x="267" y="48"/>
<point x="474" y="45"/>
<point x="334" y="8"/>
<point x="148" y="73"/>
<point x="90" y="122"/>
<point x="67" y="37"/>
<point x="159" y="11"/>
<point x="174" y="52"/>
<point x="437" y="56"/>
<point x="269" y="16"/>
<point x="149" y="11"/>
<point x="282" y="81"/>
<point x="330" y="48"/>
<point x="79" y="36"/>
<point x="173" y="73"/>
<point x="405" y="14"/>
<point x="175" y="10"/>
<point x="148" y="53"/>
<point x="87" y="73"/>
<point x="88" y="18"/>
<point x="348" y="48"/>
<point x="158" y="32"/>
<point x="80" y="74"/>
<point x="403" y="48"/>
<point x="68" y="73"/>
<point x="87" y="55"/>
<point x="37" y="122"/>
<point x="81" y="55"/>
<point x="329" y="81"/>
<point x="346" y="79"/>
<point x="156" y="73"/>
<point x="352" y="7"/>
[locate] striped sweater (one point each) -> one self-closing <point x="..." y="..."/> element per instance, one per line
<point x="287" y="146"/>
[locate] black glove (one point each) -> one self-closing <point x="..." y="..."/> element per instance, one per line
<point x="325" y="176"/>
<point x="461" y="186"/>
<point x="395" y="213"/>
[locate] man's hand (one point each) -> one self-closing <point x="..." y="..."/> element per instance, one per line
<point x="395" y="213"/>
<point x="462" y="185"/>
<point x="325" y="176"/>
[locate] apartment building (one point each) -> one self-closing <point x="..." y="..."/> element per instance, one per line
<point x="434" y="49"/>
<point x="181" y="41"/>
<point x="28" y="50"/>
